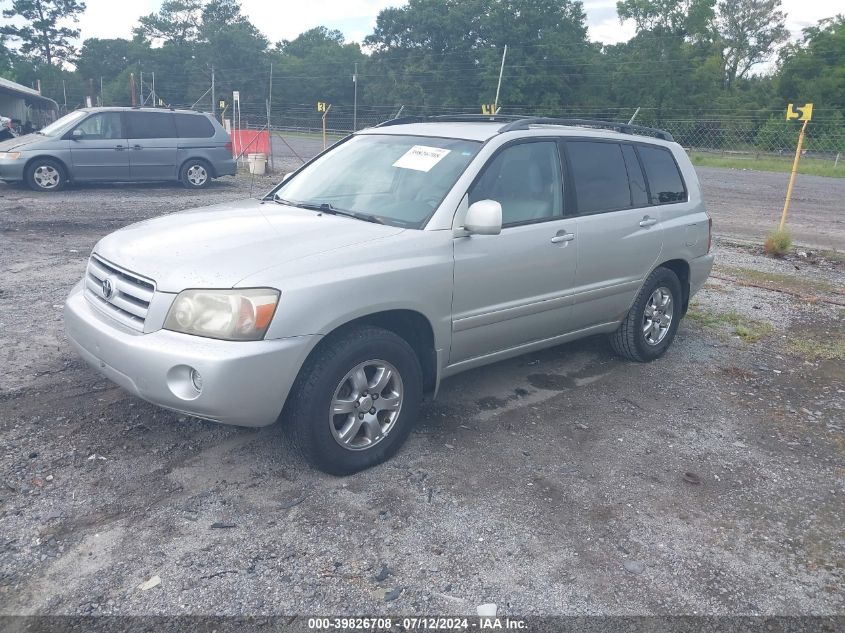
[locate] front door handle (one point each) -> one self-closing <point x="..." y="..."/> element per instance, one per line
<point x="648" y="221"/>
<point x="563" y="236"/>
<point x="137" y="147"/>
<point x="119" y="148"/>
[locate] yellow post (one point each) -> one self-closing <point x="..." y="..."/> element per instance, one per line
<point x="792" y="175"/>
<point x="325" y="114"/>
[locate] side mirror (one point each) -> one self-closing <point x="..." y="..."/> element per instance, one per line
<point x="77" y="134"/>
<point x="484" y="218"/>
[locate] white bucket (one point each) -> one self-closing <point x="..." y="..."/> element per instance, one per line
<point x="257" y="163"/>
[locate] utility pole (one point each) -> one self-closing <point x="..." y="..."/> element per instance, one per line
<point x="142" y="89"/>
<point x="102" y="98"/>
<point x="213" y="97"/>
<point x="355" y="100"/>
<point x="154" y="89"/>
<point x="499" y="86"/>
<point x="64" y="92"/>
<point x="269" y="109"/>
<point x="132" y="89"/>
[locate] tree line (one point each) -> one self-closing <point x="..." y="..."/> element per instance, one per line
<point x="690" y="58"/>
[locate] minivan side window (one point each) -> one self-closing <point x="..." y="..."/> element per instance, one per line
<point x="151" y="125"/>
<point x="525" y="179"/>
<point x="664" y="178"/>
<point x="600" y="175"/>
<point x="193" y="126"/>
<point x="102" y="126"/>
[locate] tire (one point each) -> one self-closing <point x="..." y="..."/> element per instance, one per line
<point x="45" y="174"/>
<point x="195" y="174"/>
<point x="632" y="340"/>
<point x="328" y="380"/>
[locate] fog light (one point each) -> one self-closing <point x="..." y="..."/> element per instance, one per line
<point x="196" y="380"/>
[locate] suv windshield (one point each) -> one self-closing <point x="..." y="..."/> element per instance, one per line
<point x="65" y="122"/>
<point x="398" y="180"/>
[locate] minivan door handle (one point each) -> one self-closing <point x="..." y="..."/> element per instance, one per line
<point x="648" y="221"/>
<point x="137" y="147"/>
<point x="119" y="148"/>
<point x="563" y="236"/>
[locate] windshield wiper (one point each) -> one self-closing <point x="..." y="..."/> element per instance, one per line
<point x="327" y="207"/>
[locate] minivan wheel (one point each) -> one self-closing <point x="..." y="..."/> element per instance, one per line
<point x="195" y="174"/>
<point x="651" y="323"/>
<point x="45" y="174"/>
<point x="355" y="401"/>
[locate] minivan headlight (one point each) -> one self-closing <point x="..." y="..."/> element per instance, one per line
<point x="242" y="314"/>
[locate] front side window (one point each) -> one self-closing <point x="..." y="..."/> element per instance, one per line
<point x="105" y="125"/>
<point x="525" y="180"/>
<point x="600" y="175"/>
<point x="664" y="179"/>
<point x="401" y="180"/>
<point x="151" y="125"/>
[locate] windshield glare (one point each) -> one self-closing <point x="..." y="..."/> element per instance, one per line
<point x="62" y="124"/>
<point x="399" y="179"/>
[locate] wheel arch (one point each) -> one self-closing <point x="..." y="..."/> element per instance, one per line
<point x="410" y="325"/>
<point x="68" y="174"/>
<point x="682" y="269"/>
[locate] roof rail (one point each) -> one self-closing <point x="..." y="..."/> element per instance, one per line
<point x="624" y="128"/>
<point x="452" y="118"/>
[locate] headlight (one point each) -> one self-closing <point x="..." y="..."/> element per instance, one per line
<point x="232" y="315"/>
<point x="10" y="155"/>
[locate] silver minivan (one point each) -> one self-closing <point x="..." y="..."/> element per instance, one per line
<point x="120" y="144"/>
<point x="400" y="256"/>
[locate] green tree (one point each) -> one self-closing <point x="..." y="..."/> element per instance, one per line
<point x="40" y="36"/>
<point x="749" y="32"/>
<point x="177" y="22"/>
<point x="813" y="69"/>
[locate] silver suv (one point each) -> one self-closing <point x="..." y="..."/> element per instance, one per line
<point x="402" y="255"/>
<point x="120" y="144"/>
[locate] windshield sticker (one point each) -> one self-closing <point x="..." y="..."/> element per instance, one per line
<point x="421" y="158"/>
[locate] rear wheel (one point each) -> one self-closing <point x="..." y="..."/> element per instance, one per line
<point x="651" y="323"/>
<point x="356" y="400"/>
<point x="195" y="174"/>
<point x="45" y="174"/>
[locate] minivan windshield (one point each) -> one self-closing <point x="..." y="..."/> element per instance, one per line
<point x="60" y="125"/>
<point x="386" y="178"/>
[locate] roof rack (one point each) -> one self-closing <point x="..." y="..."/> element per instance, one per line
<point x="513" y="122"/>
<point x="624" y="128"/>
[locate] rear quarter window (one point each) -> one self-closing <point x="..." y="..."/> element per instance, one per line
<point x="193" y="126"/>
<point x="664" y="178"/>
<point x="600" y="176"/>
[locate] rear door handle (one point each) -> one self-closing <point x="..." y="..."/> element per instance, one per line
<point x="119" y="148"/>
<point x="563" y="236"/>
<point x="648" y="221"/>
<point x="137" y="147"/>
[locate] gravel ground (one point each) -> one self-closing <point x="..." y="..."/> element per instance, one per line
<point x="561" y="482"/>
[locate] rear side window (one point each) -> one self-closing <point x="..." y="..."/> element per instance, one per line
<point x="151" y="125"/>
<point x="664" y="178"/>
<point x="639" y="193"/>
<point x="193" y="126"/>
<point x="601" y="179"/>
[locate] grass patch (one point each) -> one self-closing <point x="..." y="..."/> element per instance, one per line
<point x="777" y="243"/>
<point x="809" y="166"/>
<point x="776" y="280"/>
<point x="832" y="349"/>
<point x="748" y="330"/>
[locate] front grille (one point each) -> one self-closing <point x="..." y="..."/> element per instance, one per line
<point x="121" y="294"/>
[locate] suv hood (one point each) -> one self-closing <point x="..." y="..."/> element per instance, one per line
<point x="20" y="142"/>
<point x="218" y="246"/>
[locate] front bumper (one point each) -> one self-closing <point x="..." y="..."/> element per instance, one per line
<point x="699" y="271"/>
<point x="243" y="383"/>
<point x="12" y="169"/>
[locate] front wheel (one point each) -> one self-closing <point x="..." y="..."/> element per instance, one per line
<point x="651" y="323"/>
<point x="45" y="174"/>
<point x="356" y="400"/>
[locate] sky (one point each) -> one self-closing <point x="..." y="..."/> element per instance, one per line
<point x="285" y="19"/>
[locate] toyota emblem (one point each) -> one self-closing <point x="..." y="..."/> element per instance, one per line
<point x="108" y="288"/>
